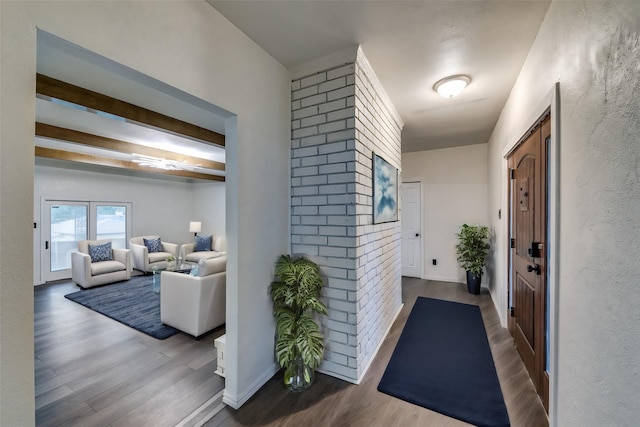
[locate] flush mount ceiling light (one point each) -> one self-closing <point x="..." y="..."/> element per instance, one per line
<point x="451" y="86"/>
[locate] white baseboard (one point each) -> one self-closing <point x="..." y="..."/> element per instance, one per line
<point x="443" y="279"/>
<point x="336" y="375"/>
<point x="484" y="283"/>
<point x="237" y="401"/>
<point x="375" y="353"/>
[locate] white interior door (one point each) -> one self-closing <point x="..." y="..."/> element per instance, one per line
<point x="411" y="220"/>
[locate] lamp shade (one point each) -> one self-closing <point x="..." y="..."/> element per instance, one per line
<point x="195" y="226"/>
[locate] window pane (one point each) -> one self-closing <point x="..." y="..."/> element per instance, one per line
<point x="68" y="227"/>
<point x="111" y="224"/>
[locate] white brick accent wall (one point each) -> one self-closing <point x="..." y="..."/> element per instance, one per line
<point x="340" y="117"/>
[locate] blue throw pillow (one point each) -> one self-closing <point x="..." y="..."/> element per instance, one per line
<point x="202" y="243"/>
<point x="100" y="252"/>
<point x="154" y="245"/>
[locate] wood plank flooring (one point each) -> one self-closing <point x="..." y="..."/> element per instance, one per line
<point x="93" y="371"/>
<point x="332" y="402"/>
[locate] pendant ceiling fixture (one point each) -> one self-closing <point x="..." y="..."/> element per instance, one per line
<point x="451" y="86"/>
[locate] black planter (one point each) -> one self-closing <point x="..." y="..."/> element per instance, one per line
<point x="473" y="283"/>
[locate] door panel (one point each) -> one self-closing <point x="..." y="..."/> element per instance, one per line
<point x="411" y="220"/>
<point x="525" y="301"/>
<point x="528" y="259"/>
<point x="65" y="226"/>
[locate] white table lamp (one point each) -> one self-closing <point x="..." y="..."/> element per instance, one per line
<point x="195" y="227"/>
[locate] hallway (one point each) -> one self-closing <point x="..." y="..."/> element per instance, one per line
<point x="332" y="402"/>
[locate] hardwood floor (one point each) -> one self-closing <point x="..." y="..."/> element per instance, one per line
<point x="93" y="371"/>
<point x="332" y="402"/>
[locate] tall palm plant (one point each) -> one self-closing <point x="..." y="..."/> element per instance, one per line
<point x="296" y="296"/>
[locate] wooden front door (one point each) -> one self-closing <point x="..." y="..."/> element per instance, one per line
<point x="528" y="183"/>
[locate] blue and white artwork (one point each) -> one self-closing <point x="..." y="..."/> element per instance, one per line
<point x="385" y="191"/>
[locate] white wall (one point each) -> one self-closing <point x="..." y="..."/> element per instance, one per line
<point x="592" y="50"/>
<point x="190" y="46"/>
<point x="162" y="207"/>
<point x="454" y="192"/>
<point x="209" y="206"/>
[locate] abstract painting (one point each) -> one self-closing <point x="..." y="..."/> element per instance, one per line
<point x="385" y="191"/>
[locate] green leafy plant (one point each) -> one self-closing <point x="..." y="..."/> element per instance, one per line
<point x="171" y="258"/>
<point x="472" y="248"/>
<point x="296" y="296"/>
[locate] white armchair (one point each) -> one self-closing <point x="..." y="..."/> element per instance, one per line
<point x="217" y="249"/>
<point x="195" y="304"/>
<point x="144" y="260"/>
<point x="88" y="274"/>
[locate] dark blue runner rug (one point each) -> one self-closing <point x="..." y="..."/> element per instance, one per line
<point x="132" y="303"/>
<point x="443" y="362"/>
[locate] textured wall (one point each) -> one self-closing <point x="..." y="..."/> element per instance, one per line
<point x="592" y="50"/>
<point x="338" y="118"/>
<point x="454" y="192"/>
<point x="190" y="46"/>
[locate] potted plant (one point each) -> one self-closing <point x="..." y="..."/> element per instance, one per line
<point x="171" y="262"/>
<point x="472" y="250"/>
<point x="296" y="297"/>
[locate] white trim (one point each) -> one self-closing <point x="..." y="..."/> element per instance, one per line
<point x="361" y="60"/>
<point x="554" y="259"/>
<point x="552" y="101"/>
<point x="237" y="401"/>
<point x="450" y="279"/>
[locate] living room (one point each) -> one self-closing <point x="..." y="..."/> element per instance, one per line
<point x="150" y="197"/>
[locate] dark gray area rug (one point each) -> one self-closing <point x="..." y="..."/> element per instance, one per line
<point x="132" y="303"/>
<point x="443" y="362"/>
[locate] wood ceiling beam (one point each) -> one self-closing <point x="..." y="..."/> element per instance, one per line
<point x="50" y="153"/>
<point x="70" y="135"/>
<point x="49" y="86"/>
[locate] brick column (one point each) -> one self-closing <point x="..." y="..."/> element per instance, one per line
<point x="339" y="117"/>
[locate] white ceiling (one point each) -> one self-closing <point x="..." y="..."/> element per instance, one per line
<point x="410" y="45"/>
<point x="64" y="61"/>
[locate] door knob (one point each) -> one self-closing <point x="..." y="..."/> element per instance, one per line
<point x="534" y="267"/>
<point x="417" y="234"/>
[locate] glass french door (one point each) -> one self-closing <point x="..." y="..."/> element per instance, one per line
<point x="66" y="223"/>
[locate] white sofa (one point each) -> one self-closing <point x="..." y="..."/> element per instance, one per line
<point x="145" y="261"/>
<point x="88" y="274"/>
<point x="195" y="304"/>
<point x="217" y="249"/>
